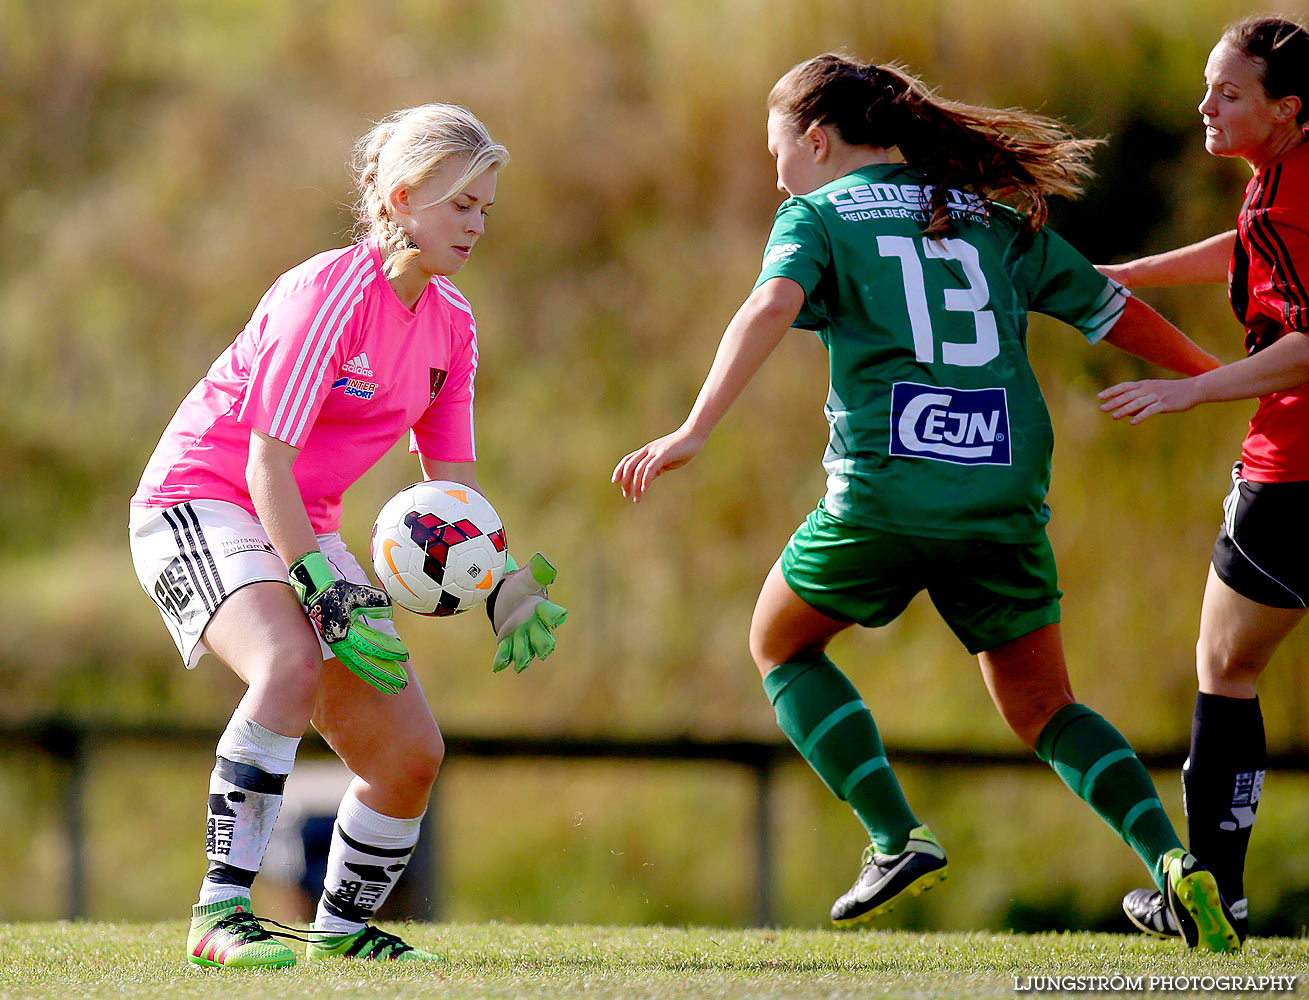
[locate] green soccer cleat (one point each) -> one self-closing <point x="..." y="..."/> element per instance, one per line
<point x="227" y="934"/>
<point x="888" y="878"/>
<point x="1197" y="906"/>
<point x="369" y="943"/>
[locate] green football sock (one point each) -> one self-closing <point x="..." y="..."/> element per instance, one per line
<point x="820" y="712"/>
<point x="1097" y="763"/>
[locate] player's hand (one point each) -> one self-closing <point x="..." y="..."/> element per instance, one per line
<point x="638" y="470"/>
<point x="523" y="617"/>
<point x="1140" y="400"/>
<point x="337" y="609"/>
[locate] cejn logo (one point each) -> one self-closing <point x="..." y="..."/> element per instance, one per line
<point x="961" y="426"/>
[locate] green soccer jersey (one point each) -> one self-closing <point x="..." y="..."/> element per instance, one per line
<point x="937" y="424"/>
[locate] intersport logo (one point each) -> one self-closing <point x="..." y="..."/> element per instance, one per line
<point x="356" y="387"/>
<point x="961" y="426"/>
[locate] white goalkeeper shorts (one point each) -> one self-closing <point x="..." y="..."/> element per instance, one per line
<point x="192" y="557"/>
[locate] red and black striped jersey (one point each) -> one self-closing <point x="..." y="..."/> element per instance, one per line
<point x="1270" y="295"/>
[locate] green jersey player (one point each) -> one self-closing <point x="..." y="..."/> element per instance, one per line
<point x="919" y="284"/>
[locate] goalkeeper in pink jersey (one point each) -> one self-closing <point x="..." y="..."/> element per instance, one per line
<point x="242" y="496"/>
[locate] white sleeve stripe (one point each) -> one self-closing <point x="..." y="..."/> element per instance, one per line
<point x="280" y="415"/>
<point x="313" y="374"/>
<point x="326" y="354"/>
<point x="293" y="389"/>
<point x="451" y="294"/>
<point x="299" y="385"/>
<point x="445" y="282"/>
<point x="459" y="304"/>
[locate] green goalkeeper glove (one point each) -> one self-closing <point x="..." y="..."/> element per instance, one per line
<point x="336" y="608"/>
<point x="523" y="619"/>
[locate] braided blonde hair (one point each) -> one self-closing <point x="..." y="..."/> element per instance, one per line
<point x="404" y="149"/>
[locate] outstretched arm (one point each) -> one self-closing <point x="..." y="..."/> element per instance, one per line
<point x="1144" y="333"/>
<point x="1281" y="365"/>
<point x="752" y="335"/>
<point x="1200" y="263"/>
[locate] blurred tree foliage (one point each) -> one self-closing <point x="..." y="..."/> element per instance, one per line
<point x="162" y="162"/>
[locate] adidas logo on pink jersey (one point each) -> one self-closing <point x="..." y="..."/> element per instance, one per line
<point x="358" y="365"/>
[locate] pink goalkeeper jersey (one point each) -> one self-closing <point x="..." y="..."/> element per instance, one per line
<point x="332" y="363"/>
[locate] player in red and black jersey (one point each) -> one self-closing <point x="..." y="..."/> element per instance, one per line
<point x="1270" y="296"/>
<point x="1256" y="107"/>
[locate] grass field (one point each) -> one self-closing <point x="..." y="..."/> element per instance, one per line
<point x="92" y="960"/>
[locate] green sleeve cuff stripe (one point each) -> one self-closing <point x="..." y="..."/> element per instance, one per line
<point x="832" y="720"/>
<point x="1137" y="811"/>
<point x="860" y="773"/>
<point x="1095" y="770"/>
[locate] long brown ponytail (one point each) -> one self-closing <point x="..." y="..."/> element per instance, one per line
<point x="995" y="154"/>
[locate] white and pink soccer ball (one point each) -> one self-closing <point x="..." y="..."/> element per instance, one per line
<point x="438" y="548"/>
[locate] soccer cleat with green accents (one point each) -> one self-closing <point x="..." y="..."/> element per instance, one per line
<point x="369" y="943"/>
<point x="888" y="878"/>
<point x="227" y="934"/>
<point x="1148" y="910"/>
<point x="1196" y="904"/>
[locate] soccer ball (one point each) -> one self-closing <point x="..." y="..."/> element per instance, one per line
<point x="438" y="548"/>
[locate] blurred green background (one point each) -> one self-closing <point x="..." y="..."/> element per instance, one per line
<point x="163" y="162"/>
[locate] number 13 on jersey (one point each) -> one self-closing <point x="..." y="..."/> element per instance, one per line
<point x="972" y="299"/>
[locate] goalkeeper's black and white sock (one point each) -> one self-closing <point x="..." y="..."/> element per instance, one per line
<point x="245" y="794"/>
<point x="1221" y="782"/>
<point x="369" y="852"/>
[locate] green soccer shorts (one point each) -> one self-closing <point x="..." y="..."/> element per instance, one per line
<point x="988" y="592"/>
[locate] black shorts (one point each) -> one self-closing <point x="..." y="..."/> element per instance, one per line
<point x="1262" y="551"/>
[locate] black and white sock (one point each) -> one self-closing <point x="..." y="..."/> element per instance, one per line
<point x="369" y="853"/>
<point x="245" y="795"/>
<point x="1222" y="780"/>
